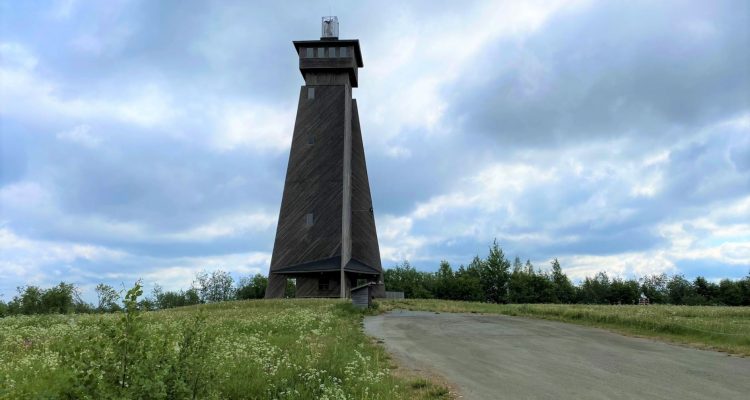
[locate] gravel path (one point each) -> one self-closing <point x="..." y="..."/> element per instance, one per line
<point x="500" y="357"/>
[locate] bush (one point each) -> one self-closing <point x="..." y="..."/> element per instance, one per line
<point x="252" y="288"/>
<point x="214" y="287"/>
<point x="60" y="299"/>
<point x="164" y="300"/>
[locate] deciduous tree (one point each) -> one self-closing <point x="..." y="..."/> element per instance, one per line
<point x="107" y="298"/>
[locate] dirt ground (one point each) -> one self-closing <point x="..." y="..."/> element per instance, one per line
<point x="500" y="357"/>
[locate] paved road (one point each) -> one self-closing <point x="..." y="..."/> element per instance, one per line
<point x="499" y="357"/>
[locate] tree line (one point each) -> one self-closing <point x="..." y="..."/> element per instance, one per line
<point x="494" y="279"/>
<point x="497" y="279"/>
<point x="206" y="288"/>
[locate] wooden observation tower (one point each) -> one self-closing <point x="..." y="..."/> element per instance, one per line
<point x="326" y="238"/>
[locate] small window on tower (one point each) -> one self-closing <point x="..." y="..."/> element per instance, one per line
<point x="310" y="93"/>
<point x="309" y="219"/>
<point x="323" y="284"/>
<point x="321" y="52"/>
<point x="342" y="52"/>
<point x="310" y="139"/>
<point x="332" y="52"/>
<point x="309" y="52"/>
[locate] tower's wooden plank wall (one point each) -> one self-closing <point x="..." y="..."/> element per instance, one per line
<point x="364" y="237"/>
<point x="313" y="184"/>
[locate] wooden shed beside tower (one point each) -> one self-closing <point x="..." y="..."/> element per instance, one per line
<point x="326" y="238"/>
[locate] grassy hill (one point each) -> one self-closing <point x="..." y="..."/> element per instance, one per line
<point x="280" y="349"/>
<point x="285" y="349"/>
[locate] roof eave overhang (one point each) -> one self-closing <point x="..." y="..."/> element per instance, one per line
<point x="352" y="42"/>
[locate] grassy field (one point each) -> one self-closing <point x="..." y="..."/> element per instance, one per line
<point x="287" y="349"/>
<point x="717" y="328"/>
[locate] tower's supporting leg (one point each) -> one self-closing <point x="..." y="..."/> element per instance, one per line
<point x="276" y="286"/>
<point x="343" y="285"/>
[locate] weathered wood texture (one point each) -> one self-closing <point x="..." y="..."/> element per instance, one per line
<point x="362" y="296"/>
<point x="309" y="285"/>
<point x="349" y="64"/>
<point x="346" y="205"/>
<point x="327" y="63"/>
<point x="352" y="44"/>
<point x="311" y="66"/>
<point x="364" y="235"/>
<point x="326" y="177"/>
<point x="327" y="78"/>
<point x="313" y="185"/>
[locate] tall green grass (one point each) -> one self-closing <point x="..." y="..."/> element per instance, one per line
<point x="717" y="328"/>
<point x="285" y="349"/>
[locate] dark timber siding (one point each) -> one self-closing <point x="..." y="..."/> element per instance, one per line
<point x="308" y="286"/>
<point x="361" y="297"/>
<point x="310" y="66"/>
<point x="326" y="177"/>
<point x="313" y="184"/>
<point x="364" y="236"/>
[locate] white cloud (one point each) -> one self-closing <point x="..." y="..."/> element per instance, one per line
<point x="415" y="101"/>
<point x="29" y="96"/>
<point x="27" y="259"/>
<point x="624" y="265"/>
<point x="257" y="127"/>
<point x="698" y="239"/>
<point x="648" y="186"/>
<point x="82" y="135"/>
<point x="227" y="226"/>
<point x="28" y="199"/>
<point x="700" y="29"/>
<point x="471" y="210"/>
<point x="439" y="204"/>
<point x="506" y="181"/>
<point x="41" y="262"/>
<point x="723" y="235"/>
<point x="491" y="203"/>
<point x="23" y="194"/>
<point x="63" y="9"/>
<point x="397" y="242"/>
<point x="398" y="152"/>
<point x="176" y="274"/>
<point x="14" y="55"/>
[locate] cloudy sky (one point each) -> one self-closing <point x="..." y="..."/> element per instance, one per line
<point x="150" y="139"/>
